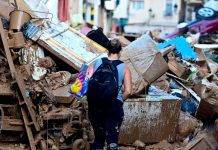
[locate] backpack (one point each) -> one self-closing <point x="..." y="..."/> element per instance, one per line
<point x="103" y="86"/>
<point x="99" y="37"/>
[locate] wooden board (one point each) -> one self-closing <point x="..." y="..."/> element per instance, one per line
<point x="71" y="46"/>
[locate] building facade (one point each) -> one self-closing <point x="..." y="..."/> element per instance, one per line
<point x="154" y="12"/>
<point x="144" y="15"/>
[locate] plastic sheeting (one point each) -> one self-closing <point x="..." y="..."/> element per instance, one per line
<point x="182" y="47"/>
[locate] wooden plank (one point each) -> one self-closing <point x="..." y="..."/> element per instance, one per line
<point x="21" y="87"/>
<point x="27" y="100"/>
<point x="49" y="49"/>
<point x="190" y="91"/>
<point x="50" y="42"/>
<point x="99" y="48"/>
<point x="7" y="51"/>
<point x="5" y="90"/>
<point x="171" y="75"/>
<point x="194" y="142"/>
<point x="15" y="125"/>
<point x="55" y="43"/>
<point x="28" y="128"/>
<point x="167" y="50"/>
<point x="62" y="95"/>
<point x="9" y="138"/>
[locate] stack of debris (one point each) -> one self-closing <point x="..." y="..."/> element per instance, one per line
<point x="174" y="98"/>
<point x="36" y="109"/>
<point x="174" y="94"/>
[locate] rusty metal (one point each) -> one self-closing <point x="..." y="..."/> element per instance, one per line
<point x="150" y="120"/>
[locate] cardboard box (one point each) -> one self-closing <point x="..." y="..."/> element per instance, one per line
<point x="138" y="83"/>
<point x="157" y="68"/>
<point x="178" y="69"/>
<point x="151" y="119"/>
<point x="145" y="58"/>
<point x="205" y="111"/>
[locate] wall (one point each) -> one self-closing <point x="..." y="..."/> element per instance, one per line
<point x="156" y="16"/>
<point x="122" y="10"/>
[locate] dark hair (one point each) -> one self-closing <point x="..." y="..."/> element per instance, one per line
<point x="114" y="46"/>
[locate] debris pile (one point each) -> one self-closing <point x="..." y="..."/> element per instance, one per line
<point x="174" y="93"/>
<point x="37" y="110"/>
<point x="173" y="104"/>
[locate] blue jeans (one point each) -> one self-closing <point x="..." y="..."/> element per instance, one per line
<point x="106" y="123"/>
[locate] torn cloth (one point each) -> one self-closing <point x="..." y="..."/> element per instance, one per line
<point x="63" y="10"/>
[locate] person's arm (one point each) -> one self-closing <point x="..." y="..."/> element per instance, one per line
<point x="127" y="83"/>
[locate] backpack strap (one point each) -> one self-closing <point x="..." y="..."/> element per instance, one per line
<point x="105" y="60"/>
<point x="117" y="62"/>
<point x="114" y="62"/>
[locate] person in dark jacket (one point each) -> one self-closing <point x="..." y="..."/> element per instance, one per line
<point x="106" y="122"/>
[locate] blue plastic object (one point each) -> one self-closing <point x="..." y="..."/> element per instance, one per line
<point x="30" y="30"/>
<point x="182" y="47"/>
<point x="188" y="105"/>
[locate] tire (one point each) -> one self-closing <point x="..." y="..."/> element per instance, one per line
<point x="206" y="13"/>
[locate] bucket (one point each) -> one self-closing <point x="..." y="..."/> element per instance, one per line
<point x="18" y="18"/>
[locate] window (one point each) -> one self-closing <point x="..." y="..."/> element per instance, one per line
<point x="138" y="4"/>
<point x="169" y="8"/>
<point x="117" y="2"/>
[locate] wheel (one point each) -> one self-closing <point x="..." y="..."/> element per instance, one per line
<point x="205" y="13"/>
